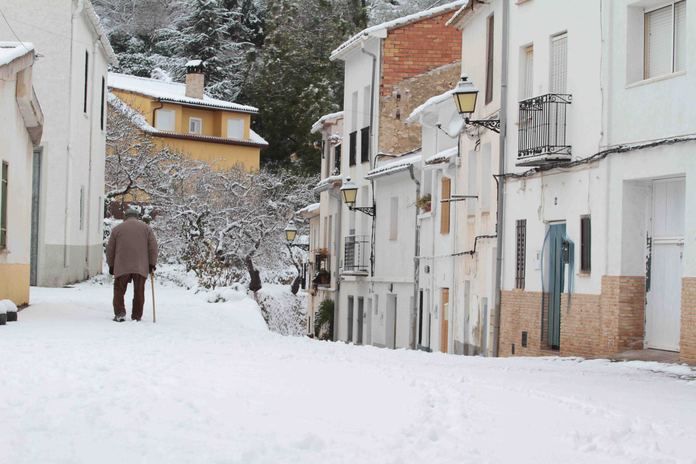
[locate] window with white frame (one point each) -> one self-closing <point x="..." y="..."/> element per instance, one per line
<point x="164" y="120"/>
<point x="527" y="72"/>
<point x="558" y="82"/>
<point x="394" y="219"/>
<point x="235" y="128"/>
<point x="664" y="45"/>
<point x="195" y="125"/>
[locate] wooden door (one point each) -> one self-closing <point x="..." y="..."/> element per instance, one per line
<point x="444" y="321"/>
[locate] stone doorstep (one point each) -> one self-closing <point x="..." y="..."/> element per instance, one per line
<point x="670" y="357"/>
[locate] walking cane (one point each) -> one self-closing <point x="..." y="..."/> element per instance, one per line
<point x="152" y="281"/>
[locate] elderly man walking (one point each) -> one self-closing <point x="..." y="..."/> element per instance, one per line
<point x="131" y="255"/>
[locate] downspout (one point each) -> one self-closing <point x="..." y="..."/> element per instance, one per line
<point x="69" y="145"/>
<point x="501" y="170"/>
<point x="416" y="265"/>
<point x="372" y="182"/>
<point x="334" y="265"/>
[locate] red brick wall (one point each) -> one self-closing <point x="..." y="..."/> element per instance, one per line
<point x="592" y="326"/>
<point x="687" y="345"/>
<point x="417" y="48"/>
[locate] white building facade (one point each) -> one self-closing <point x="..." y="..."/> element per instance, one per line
<point x="20" y="132"/>
<point x="68" y="178"/>
<point x="600" y="237"/>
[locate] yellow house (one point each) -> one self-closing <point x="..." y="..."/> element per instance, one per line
<point x="182" y="118"/>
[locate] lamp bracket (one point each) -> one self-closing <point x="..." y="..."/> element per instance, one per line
<point x="369" y="210"/>
<point x="490" y="124"/>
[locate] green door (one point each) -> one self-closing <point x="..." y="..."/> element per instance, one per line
<point x="556" y="282"/>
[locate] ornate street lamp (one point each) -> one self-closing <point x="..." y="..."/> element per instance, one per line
<point x="350" y="194"/>
<point x="465" y="96"/>
<point x="291" y="234"/>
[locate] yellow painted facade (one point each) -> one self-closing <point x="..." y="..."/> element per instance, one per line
<point x="14" y="283"/>
<point x="222" y="155"/>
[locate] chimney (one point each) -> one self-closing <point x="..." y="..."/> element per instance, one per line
<point x="195" y="79"/>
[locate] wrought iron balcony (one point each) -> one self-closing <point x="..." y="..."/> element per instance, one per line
<point x="357" y="254"/>
<point x="542" y="130"/>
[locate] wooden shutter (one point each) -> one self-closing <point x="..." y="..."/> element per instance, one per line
<point x="559" y="64"/>
<point x="489" y="59"/>
<point x="658" y="42"/>
<point x="521" y="239"/>
<point x="446" y="192"/>
<point x="585" y="244"/>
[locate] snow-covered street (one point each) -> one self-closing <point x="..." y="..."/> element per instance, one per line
<point x="208" y="383"/>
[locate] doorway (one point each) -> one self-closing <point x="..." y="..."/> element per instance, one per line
<point x="35" y="204"/>
<point x="444" y="321"/>
<point x="664" y="270"/>
<point x="557" y="257"/>
<point x="390" y="323"/>
<point x="351" y="303"/>
<point x="360" y="321"/>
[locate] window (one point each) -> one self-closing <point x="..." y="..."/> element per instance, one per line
<point x="472" y="183"/>
<point x="558" y="82"/>
<point x="3" y="205"/>
<point x="354" y="109"/>
<point x="84" y="104"/>
<point x="367" y="105"/>
<point x="484" y="195"/>
<point x="664" y="40"/>
<point x="195" y="125"/>
<point x="337" y="158"/>
<point x="365" y="145"/>
<point x="445" y="195"/>
<point x="585" y="244"/>
<point x="235" y="128"/>
<point x="82" y="208"/>
<point x="527" y="73"/>
<point x="521" y="239"/>
<point x="102" y="115"/>
<point x="394" y="219"/>
<point x="164" y="120"/>
<point x="489" y="59"/>
<point x="352" y="148"/>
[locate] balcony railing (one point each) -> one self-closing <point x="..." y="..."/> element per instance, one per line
<point x="357" y="254"/>
<point x="542" y="130"/>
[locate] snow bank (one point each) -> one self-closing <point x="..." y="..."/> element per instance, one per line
<point x="7" y="306"/>
<point x="284" y="312"/>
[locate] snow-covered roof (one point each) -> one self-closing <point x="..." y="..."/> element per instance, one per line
<point x="309" y="210"/>
<point x="399" y="164"/>
<point x="194" y="63"/>
<point x="142" y="123"/>
<point x="395" y="23"/>
<point x="316" y="127"/>
<point x="445" y="156"/>
<point x="99" y="29"/>
<point x="327" y="182"/>
<point x="171" y="92"/>
<point x="437" y="99"/>
<point x="10" y="51"/>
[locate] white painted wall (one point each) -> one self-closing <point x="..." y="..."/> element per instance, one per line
<point x="16" y="150"/>
<point x="73" y="142"/>
<point x="557" y="195"/>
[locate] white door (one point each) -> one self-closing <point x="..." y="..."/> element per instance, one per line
<point x="663" y="309"/>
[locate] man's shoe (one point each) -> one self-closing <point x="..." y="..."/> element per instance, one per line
<point x="119" y="318"/>
<point x="135" y="320"/>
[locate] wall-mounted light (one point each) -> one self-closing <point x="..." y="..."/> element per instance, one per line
<point x="465" y="96"/>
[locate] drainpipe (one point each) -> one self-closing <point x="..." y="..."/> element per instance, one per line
<point x="501" y="170"/>
<point x="334" y="265"/>
<point x="372" y="183"/>
<point x="416" y="266"/>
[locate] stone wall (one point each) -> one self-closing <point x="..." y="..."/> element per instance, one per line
<point x="395" y="136"/>
<point x="591" y="325"/>
<point x="687" y="343"/>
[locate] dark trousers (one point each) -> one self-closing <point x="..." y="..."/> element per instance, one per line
<point x="120" y="286"/>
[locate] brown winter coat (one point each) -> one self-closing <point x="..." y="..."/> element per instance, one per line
<point x="132" y="248"/>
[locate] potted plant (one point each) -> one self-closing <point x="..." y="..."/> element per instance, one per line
<point x="425" y="203"/>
